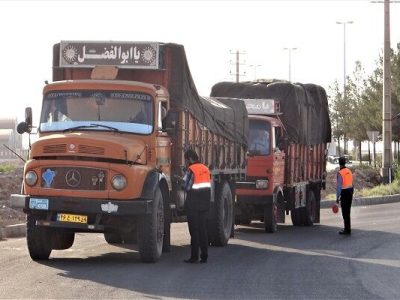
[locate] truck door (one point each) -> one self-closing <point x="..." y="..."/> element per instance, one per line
<point x="278" y="155"/>
<point x="163" y="146"/>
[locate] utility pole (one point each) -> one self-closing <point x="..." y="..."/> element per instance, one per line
<point x="290" y="61"/>
<point x="237" y="64"/>
<point x="386" y="171"/>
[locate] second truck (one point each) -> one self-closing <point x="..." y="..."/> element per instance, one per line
<point x="289" y="128"/>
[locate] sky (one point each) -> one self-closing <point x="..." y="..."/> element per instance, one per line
<point x="211" y="31"/>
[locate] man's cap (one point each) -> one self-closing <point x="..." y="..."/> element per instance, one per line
<point x="335" y="208"/>
<point x="191" y="154"/>
<point x="342" y="161"/>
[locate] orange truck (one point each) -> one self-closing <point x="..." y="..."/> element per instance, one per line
<point x="289" y="128"/>
<point x="114" y="125"/>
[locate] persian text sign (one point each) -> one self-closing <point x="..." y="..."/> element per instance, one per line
<point x="135" y="55"/>
<point x="260" y="106"/>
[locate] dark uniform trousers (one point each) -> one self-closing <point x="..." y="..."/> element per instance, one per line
<point x="197" y="208"/>
<point x="346" y="198"/>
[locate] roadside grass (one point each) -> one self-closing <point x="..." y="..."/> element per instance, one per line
<point x="381" y="190"/>
<point x="7" y="168"/>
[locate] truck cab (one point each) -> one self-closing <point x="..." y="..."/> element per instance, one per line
<point x="265" y="165"/>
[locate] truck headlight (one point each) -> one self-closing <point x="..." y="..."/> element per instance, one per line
<point x="118" y="182"/>
<point x="262" y="184"/>
<point x="30" y="178"/>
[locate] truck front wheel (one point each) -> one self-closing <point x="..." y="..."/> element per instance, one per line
<point x="112" y="237"/>
<point x="38" y="239"/>
<point x="62" y="240"/>
<point x="151" y="230"/>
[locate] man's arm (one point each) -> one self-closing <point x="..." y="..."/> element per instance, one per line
<point x="339" y="187"/>
<point x="188" y="181"/>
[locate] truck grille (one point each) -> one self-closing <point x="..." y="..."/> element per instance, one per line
<point x="60" y="148"/>
<point x="91" y="150"/>
<point x="83" y="149"/>
<point x="70" y="178"/>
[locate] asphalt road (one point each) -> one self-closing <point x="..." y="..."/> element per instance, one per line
<point x="294" y="263"/>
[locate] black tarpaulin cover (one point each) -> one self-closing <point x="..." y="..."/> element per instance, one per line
<point x="304" y="107"/>
<point x="228" y="119"/>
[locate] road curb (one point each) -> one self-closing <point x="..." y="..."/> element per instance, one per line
<point x="366" y="201"/>
<point x="12" y="231"/>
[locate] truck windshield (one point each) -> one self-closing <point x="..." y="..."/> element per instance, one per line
<point x="259" y="138"/>
<point x="122" y="111"/>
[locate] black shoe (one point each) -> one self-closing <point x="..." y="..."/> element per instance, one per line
<point x="203" y="261"/>
<point x="191" y="261"/>
<point x="344" y="232"/>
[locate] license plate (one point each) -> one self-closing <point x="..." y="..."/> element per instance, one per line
<point x="36" y="203"/>
<point x="72" y="218"/>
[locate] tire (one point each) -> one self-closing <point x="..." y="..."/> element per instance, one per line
<point x="309" y="212"/>
<point x="295" y="215"/>
<point x="305" y="216"/>
<point x="245" y="221"/>
<point x="38" y="239"/>
<point x="151" y="230"/>
<point x="62" y="240"/>
<point x="167" y="228"/>
<point x="270" y="217"/>
<point x="221" y="217"/>
<point x="112" y="237"/>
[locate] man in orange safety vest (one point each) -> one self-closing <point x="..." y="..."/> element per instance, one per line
<point x="197" y="184"/>
<point x="344" y="193"/>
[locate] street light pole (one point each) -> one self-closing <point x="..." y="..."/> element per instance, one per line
<point x="255" y="70"/>
<point x="344" y="23"/>
<point x="344" y="53"/>
<point x="290" y="61"/>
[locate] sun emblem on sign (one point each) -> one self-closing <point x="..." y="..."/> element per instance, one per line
<point x="148" y="55"/>
<point x="70" y="54"/>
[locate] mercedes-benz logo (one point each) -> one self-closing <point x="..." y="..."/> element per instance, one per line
<point x="73" y="178"/>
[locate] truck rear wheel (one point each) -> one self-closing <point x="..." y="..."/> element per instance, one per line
<point x="38" y="239"/>
<point x="151" y="230"/>
<point x="295" y="214"/>
<point x="305" y="215"/>
<point x="221" y="216"/>
<point x="309" y="212"/>
<point x="270" y="217"/>
<point x="62" y="240"/>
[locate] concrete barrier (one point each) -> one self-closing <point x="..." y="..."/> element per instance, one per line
<point x="11" y="231"/>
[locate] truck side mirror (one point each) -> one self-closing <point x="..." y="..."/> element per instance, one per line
<point x="170" y="122"/>
<point x="23" y="127"/>
<point x="28" y="116"/>
<point x="27" y="125"/>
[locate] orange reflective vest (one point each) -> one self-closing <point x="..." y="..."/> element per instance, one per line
<point x="201" y="176"/>
<point x="347" y="178"/>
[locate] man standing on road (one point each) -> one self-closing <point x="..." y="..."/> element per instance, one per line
<point x="197" y="185"/>
<point x="344" y="193"/>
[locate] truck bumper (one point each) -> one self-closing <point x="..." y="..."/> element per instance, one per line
<point x="82" y="205"/>
<point x="96" y="210"/>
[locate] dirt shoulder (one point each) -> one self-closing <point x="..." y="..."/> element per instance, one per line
<point x="10" y="183"/>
